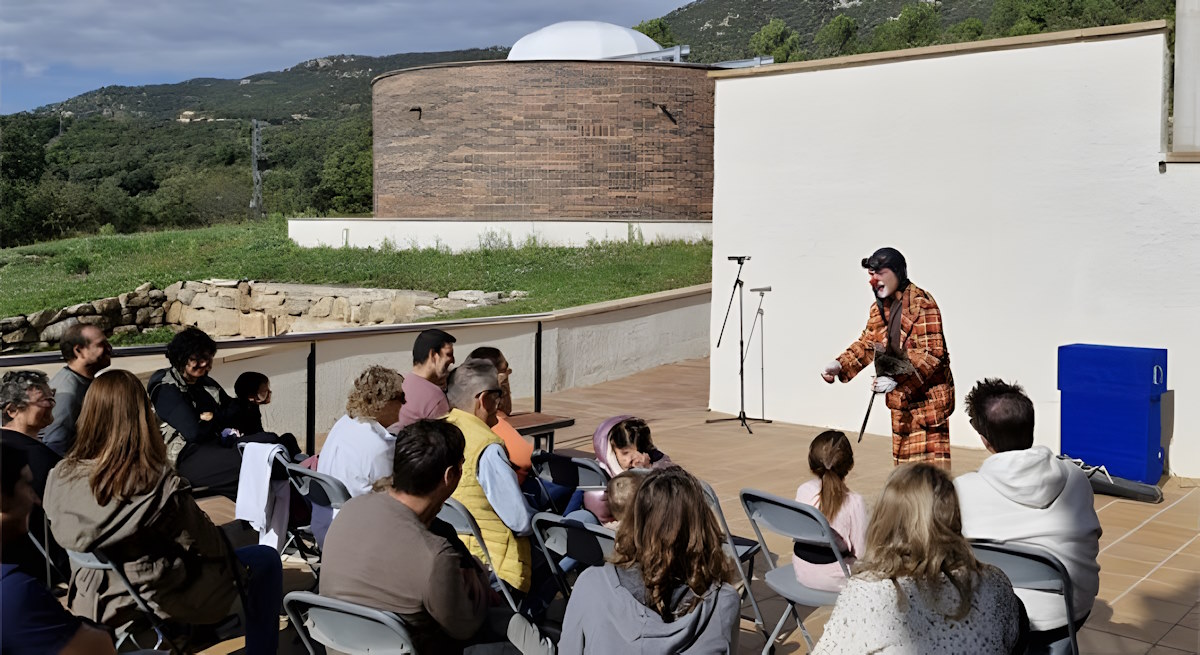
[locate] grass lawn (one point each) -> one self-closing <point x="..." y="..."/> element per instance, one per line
<point x="61" y="273"/>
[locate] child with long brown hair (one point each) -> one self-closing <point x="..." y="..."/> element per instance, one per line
<point x="666" y="588"/>
<point x="831" y="458"/>
<point x="116" y="492"/>
<point x="918" y="588"/>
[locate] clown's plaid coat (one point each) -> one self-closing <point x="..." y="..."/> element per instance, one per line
<point x="921" y="403"/>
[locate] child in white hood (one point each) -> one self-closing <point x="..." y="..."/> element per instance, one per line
<point x="1024" y="493"/>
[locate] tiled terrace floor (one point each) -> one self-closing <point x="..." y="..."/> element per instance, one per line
<point x="1149" y="598"/>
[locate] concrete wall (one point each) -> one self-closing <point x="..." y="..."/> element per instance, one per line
<point x="1024" y="187"/>
<point x="532" y="140"/>
<point x="461" y="235"/>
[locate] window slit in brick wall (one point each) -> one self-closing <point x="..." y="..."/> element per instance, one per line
<point x="415" y="110"/>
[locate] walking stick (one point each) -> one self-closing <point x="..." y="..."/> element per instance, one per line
<point x="868" y="416"/>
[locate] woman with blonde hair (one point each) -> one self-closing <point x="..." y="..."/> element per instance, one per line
<point x="116" y="492"/>
<point x="918" y="588"/>
<point x="831" y="458"/>
<point x="666" y="588"/>
<point x="358" y="450"/>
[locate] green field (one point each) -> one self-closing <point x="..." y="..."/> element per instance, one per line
<point x="61" y="273"/>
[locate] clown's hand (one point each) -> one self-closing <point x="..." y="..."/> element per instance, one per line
<point x="883" y="384"/>
<point x="831" y="371"/>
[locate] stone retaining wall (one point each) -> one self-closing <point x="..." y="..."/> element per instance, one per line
<point x="229" y="308"/>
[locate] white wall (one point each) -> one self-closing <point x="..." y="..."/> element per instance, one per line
<point x="1024" y="188"/>
<point x="463" y="234"/>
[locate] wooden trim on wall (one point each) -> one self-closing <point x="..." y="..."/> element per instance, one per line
<point x="950" y="49"/>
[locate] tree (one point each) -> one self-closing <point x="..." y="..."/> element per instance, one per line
<point x="917" y="25"/>
<point x="838" y="37"/>
<point x="777" y="40"/>
<point x="659" y="30"/>
<point x="970" y="29"/>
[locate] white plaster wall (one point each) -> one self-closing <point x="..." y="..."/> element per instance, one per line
<point x="1023" y="187"/>
<point x="458" y="235"/>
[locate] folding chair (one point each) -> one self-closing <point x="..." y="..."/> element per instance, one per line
<point x="1037" y="569"/>
<point x="575" y="472"/>
<point x="346" y="627"/>
<point x="800" y="523"/>
<point x="560" y="537"/>
<point x="98" y="561"/>
<point x="282" y="469"/>
<point x="455" y="514"/>
<point x="742" y="550"/>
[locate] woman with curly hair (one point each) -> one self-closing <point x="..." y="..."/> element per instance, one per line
<point x="199" y="419"/>
<point x="918" y="587"/>
<point x="666" y="589"/>
<point x="358" y="450"/>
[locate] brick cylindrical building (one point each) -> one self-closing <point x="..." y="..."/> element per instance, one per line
<point x="545" y="140"/>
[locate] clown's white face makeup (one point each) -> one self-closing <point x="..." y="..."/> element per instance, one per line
<point x="883" y="281"/>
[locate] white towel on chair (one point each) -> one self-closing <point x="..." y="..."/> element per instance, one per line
<point x="261" y="501"/>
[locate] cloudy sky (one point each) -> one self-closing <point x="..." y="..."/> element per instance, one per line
<point x="51" y="50"/>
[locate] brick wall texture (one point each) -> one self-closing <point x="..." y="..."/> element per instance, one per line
<point x="545" y="140"/>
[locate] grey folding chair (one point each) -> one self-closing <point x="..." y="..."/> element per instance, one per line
<point x="346" y="627"/>
<point x="560" y="537"/>
<point x="742" y="550"/>
<point x="282" y="469"/>
<point x="454" y="513"/>
<point x="1037" y="569"/>
<point x="803" y="524"/>
<point x="98" y="561"/>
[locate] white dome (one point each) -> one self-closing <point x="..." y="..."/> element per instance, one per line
<point x="581" y="39"/>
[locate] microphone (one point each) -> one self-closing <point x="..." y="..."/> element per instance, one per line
<point x="739" y="258"/>
<point x="760" y="290"/>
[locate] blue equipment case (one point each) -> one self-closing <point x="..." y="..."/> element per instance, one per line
<point x="1111" y="408"/>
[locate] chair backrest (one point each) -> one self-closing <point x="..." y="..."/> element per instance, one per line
<point x="458" y="516"/>
<point x="577" y="472"/>
<point x="1034" y="568"/>
<point x="560" y="537"/>
<point x="600" y="445"/>
<point x="346" y="627"/>
<point x="319" y="488"/>
<point x="97" y="560"/>
<point x="794" y="520"/>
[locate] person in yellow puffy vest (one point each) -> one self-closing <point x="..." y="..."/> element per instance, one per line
<point x="489" y="487"/>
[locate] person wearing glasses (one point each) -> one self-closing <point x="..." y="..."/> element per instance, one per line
<point x="489" y="488"/>
<point x="199" y="418"/>
<point x="905" y="325"/>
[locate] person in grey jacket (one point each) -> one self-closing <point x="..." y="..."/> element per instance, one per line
<point x="666" y="589"/>
<point x="86" y="351"/>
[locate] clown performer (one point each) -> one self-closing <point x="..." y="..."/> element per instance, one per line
<point x="905" y="323"/>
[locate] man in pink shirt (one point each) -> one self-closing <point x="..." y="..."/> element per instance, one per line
<point x="424" y="395"/>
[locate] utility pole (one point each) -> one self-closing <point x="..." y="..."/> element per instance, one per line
<point x="256" y="201"/>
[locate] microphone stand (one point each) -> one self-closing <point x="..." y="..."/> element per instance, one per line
<point x="738" y="285"/>
<point x="760" y="320"/>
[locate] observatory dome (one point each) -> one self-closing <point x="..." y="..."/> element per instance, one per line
<point x="581" y="39"/>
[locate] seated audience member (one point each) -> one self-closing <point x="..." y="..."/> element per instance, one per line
<point x="1023" y="493"/>
<point x="433" y="355"/>
<point x="117" y="492"/>
<point x="489" y="488"/>
<point x="620" y="494"/>
<point x="34" y="622"/>
<point x="196" y="416"/>
<point x="358" y="450"/>
<point x="624" y="443"/>
<point x="441" y="590"/>
<point x="26" y="406"/>
<point x="667" y="587"/>
<point x="520" y="450"/>
<point x="830" y="458"/>
<point x="251" y="391"/>
<point x="918" y="587"/>
<point x="86" y="351"/>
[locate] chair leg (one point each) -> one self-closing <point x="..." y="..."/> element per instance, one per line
<point x="770" y="646"/>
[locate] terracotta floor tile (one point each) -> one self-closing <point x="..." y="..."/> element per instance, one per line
<point x="1183" y="638"/>
<point x="1140" y="607"/>
<point x="1096" y="642"/>
<point x="1163" y="650"/>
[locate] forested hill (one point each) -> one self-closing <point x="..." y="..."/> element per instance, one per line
<point x="721" y="29"/>
<point x="326" y="87"/>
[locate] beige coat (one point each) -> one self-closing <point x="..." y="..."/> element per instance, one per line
<point x="172" y="553"/>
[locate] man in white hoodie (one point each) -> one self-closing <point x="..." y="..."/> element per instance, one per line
<point x="1024" y="493"/>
